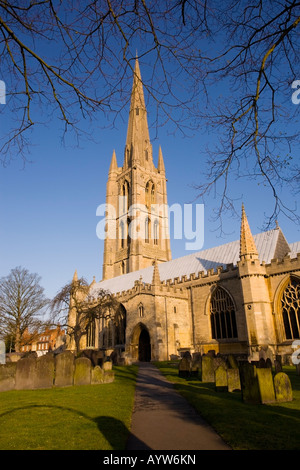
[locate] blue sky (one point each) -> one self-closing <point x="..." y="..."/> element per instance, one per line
<point x="48" y="208"/>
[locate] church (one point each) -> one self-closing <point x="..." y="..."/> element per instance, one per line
<point x="240" y="298"/>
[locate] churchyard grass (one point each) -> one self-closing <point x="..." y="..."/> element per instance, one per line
<point x="243" y="426"/>
<point x="87" y="417"/>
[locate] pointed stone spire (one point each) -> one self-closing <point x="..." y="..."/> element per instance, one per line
<point x="156" y="276"/>
<point x="248" y="248"/>
<point x="138" y="147"/>
<point x="137" y="94"/>
<point x="113" y="163"/>
<point x="75" y="277"/>
<point x="161" y="165"/>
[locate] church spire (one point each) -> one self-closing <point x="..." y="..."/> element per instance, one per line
<point x="113" y="163"/>
<point x="138" y="148"/>
<point x="248" y="248"/>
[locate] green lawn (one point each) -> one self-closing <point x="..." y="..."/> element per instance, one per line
<point x="243" y="426"/>
<point x="98" y="417"/>
<point x="91" y="417"/>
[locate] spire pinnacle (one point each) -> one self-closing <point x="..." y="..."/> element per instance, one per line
<point x="248" y="248"/>
<point x="75" y="277"/>
<point x="156" y="276"/>
<point x="113" y="163"/>
<point x="138" y="140"/>
<point x="161" y="165"/>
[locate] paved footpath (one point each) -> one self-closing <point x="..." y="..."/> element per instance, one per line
<point x="163" y="420"/>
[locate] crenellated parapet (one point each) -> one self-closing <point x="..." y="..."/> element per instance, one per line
<point x="286" y="265"/>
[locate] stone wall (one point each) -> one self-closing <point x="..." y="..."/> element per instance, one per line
<point x="61" y="370"/>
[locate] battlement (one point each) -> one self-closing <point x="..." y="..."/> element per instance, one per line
<point x="283" y="265"/>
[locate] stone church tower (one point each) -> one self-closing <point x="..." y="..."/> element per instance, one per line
<point x="136" y="198"/>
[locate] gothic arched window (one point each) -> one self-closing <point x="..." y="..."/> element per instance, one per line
<point x="122" y="234"/>
<point x="91" y="334"/>
<point x="120" y="325"/>
<point x="147" y="229"/>
<point x="156" y="232"/>
<point x="290" y="304"/>
<point x="149" y="194"/>
<point x="141" y="310"/>
<point x="222" y="315"/>
<point x="125" y="193"/>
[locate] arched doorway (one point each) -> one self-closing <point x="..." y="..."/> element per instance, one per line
<point x="144" y="346"/>
<point x="141" y="343"/>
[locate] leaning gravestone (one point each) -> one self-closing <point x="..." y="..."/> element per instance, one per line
<point x="184" y="367"/>
<point x="208" y="372"/>
<point x="266" y="386"/>
<point x="44" y="372"/>
<point x="221" y="379"/>
<point x="283" y="388"/>
<point x="233" y="380"/>
<point x="26" y="373"/>
<point x="82" y="374"/>
<point x="64" y="369"/>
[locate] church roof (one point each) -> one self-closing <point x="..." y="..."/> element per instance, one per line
<point x="269" y="245"/>
<point x="295" y="248"/>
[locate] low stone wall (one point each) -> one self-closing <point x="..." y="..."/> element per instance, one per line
<point x="61" y="370"/>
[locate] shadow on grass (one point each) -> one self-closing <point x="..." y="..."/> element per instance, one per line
<point x="242" y="425"/>
<point x="114" y="430"/>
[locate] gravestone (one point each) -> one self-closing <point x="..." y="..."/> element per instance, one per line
<point x="44" y="371"/>
<point x="266" y="386"/>
<point x="232" y="362"/>
<point x="249" y="383"/>
<point x="97" y="375"/>
<point x="196" y="367"/>
<point x="7" y="376"/>
<point x="107" y="365"/>
<point x="277" y="366"/>
<point x="2" y="352"/>
<point x="261" y="363"/>
<point x="82" y="373"/>
<point x="26" y="373"/>
<point x="221" y="379"/>
<point x="108" y="376"/>
<point x="64" y="369"/>
<point x="208" y="371"/>
<point x="283" y="388"/>
<point x="184" y="367"/>
<point x="269" y="363"/>
<point x="233" y="380"/>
